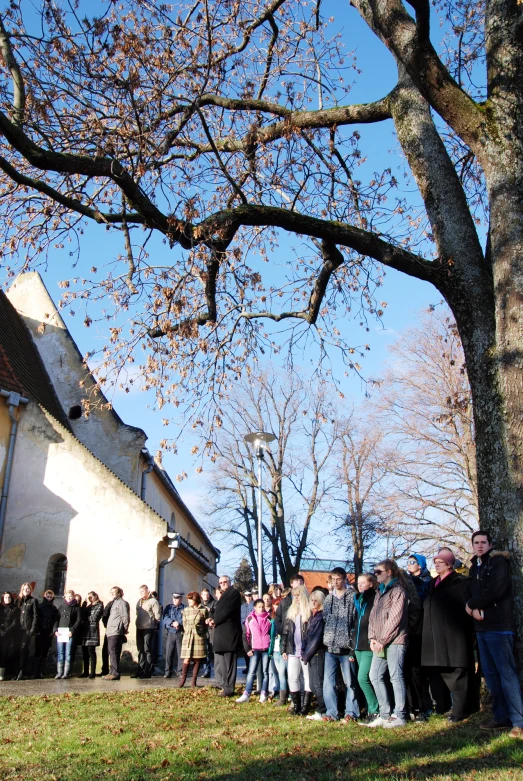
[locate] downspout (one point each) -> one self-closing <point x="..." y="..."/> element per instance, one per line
<point x="174" y="544"/>
<point x="12" y="400"/>
<point x="149" y="460"/>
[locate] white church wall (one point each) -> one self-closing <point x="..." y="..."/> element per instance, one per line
<point x="112" y="441"/>
<point x="63" y="501"/>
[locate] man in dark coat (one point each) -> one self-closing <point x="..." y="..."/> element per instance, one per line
<point x="447" y="638"/>
<point x="48" y="617"/>
<point x="491" y="605"/>
<point x="227" y="636"/>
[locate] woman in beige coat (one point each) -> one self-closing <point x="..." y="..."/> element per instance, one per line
<point x="194" y="645"/>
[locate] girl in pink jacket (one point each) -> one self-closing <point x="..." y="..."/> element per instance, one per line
<point x="256" y="641"/>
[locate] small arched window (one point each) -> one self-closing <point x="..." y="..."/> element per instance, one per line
<point x="172" y="525"/>
<point x="57" y="573"/>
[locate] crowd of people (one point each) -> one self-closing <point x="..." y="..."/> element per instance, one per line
<point x="397" y="647"/>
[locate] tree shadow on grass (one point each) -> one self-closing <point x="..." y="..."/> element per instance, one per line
<point x="458" y="753"/>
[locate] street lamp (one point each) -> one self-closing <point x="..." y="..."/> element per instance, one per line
<point x="260" y="440"/>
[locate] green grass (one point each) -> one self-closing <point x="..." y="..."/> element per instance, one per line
<point x="194" y="736"/>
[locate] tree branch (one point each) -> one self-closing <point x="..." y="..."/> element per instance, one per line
<point x="16" y="75"/>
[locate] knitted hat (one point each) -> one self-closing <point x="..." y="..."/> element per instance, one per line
<point x="447" y="556"/>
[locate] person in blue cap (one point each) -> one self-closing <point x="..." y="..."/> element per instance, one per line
<point x="421" y="577"/>
<point x="417" y="680"/>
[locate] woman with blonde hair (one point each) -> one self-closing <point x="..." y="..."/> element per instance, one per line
<point x="294" y="630"/>
<point x="27" y="623"/>
<point x="194" y="645"/>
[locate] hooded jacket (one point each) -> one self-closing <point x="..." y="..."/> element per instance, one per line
<point x="257" y="632"/>
<point x="389" y="619"/>
<point x="339" y="614"/>
<point x="490" y="590"/>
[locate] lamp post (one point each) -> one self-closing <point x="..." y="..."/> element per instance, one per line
<point x="260" y="440"/>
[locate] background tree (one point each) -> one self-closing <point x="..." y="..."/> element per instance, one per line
<point x="362" y="505"/>
<point x="196" y="128"/>
<point x="297" y="473"/>
<point x="425" y="406"/>
<point x="244" y="576"/>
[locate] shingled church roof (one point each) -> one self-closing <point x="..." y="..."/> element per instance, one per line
<point x="21" y="368"/>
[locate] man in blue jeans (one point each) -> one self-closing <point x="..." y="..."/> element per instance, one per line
<point x="339" y="614"/>
<point x="491" y="605"/>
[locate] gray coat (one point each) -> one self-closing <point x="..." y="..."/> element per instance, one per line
<point x="119" y="618"/>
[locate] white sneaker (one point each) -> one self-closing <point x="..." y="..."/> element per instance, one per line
<point x="244" y="697"/>
<point x="263" y="697"/>
<point x="393" y="722"/>
<point x="315" y="717"/>
<point x="377" y="722"/>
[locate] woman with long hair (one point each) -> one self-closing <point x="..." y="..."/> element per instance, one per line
<point x="388" y="636"/>
<point x="8" y="618"/>
<point x="91" y="614"/>
<point x="27" y="623"/>
<point x="313" y="653"/>
<point x="294" y="629"/>
<point x="364" y="602"/>
<point x="194" y="643"/>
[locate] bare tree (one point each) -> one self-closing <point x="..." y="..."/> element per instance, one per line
<point x="211" y="125"/>
<point x="425" y="405"/>
<point x="365" y="468"/>
<point x="298" y="473"/>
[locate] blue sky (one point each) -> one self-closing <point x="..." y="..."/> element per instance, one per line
<point x="405" y="296"/>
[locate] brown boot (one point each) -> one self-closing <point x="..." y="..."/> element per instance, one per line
<point x="195" y="669"/>
<point x="185" y="669"/>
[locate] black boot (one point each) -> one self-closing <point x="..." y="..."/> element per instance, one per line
<point x="296" y="703"/>
<point x="306" y="704"/>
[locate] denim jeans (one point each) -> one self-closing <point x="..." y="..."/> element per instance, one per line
<point x="255" y="659"/>
<point x="274" y="680"/>
<point x="394" y="664"/>
<point x="330" y="693"/>
<point x="281" y="668"/>
<point x="63" y="651"/>
<point x="496" y="651"/>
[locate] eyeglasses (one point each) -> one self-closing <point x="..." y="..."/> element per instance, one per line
<point x="379" y="571"/>
<point x="224" y="583"/>
<point x="411" y="563"/>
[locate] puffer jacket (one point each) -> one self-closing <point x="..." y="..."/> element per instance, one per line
<point x="90" y="627"/>
<point x="28" y="614"/>
<point x="312" y="641"/>
<point x="389" y="618"/>
<point x="257" y="632"/>
<point x="339" y="614"/>
<point x="490" y="590"/>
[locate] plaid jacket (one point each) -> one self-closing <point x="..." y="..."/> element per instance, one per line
<point x="389" y="618"/>
<point x="195" y="631"/>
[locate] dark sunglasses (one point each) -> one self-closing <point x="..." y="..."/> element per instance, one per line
<point x="378" y="571"/>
